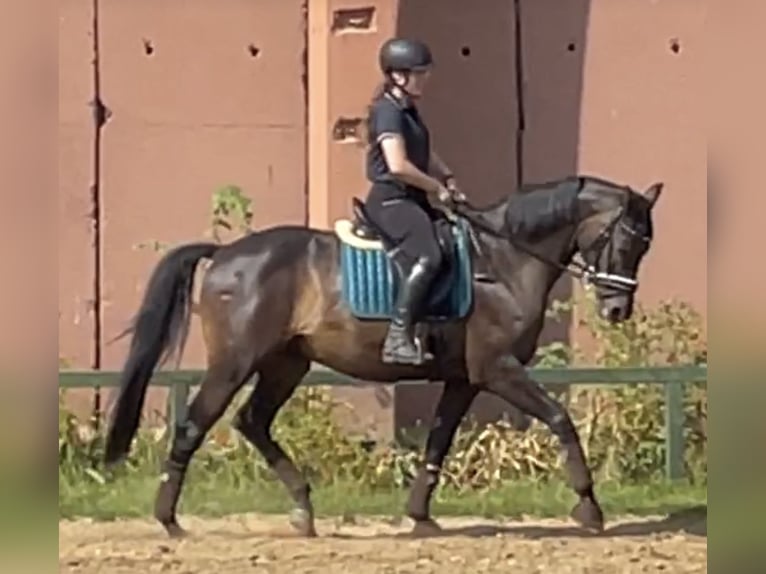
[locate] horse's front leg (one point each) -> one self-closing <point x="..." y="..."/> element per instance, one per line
<point x="509" y="380"/>
<point x="455" y="400"/>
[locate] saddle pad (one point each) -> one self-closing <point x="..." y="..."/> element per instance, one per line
<point x="369" y="284"/>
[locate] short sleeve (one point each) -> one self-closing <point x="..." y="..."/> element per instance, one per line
<point x="387" y="119"/>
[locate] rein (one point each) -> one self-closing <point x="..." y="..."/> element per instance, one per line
<point x="589" y="274"/>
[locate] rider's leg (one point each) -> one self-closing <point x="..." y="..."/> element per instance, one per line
<point x="416" y="241"/>
<point x="400" y="345"/>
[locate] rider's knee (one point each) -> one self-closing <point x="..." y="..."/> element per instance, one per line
<point x="431" y="260"/>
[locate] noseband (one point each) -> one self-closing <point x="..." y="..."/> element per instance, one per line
<point x="605" y="279"/>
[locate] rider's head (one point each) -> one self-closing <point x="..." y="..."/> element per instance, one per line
<point x="406" y="64"/>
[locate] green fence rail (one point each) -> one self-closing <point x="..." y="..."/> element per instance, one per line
<point x="672" y="378"/>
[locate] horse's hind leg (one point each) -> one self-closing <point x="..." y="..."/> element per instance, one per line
<point x="513" y="383"/>
<point x="227" y="372"/>
<point x="235" y="352"/>
<point x="222" y="380"/>
<point x="278" y="378"/>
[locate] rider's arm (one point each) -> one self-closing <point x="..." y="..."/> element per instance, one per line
<point x="389" y="127"/>
<point x="438" y="168"/>
<point x="401" y="168"/>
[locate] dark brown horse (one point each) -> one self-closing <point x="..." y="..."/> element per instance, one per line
<point x="272" y="302"/>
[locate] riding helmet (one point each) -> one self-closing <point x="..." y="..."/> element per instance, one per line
<point x="404" y="55"/>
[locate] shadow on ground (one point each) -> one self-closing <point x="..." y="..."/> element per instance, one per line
<point x="691" y="520"/>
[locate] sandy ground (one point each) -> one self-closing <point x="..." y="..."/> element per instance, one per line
<point x="265" y="545"/>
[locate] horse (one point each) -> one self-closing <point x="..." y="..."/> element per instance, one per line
<point x="274" y="301"/>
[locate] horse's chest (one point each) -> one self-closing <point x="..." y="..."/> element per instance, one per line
<point x="508" y="326"/>
<point x="523" y="337"/>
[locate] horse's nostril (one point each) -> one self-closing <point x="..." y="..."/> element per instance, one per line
<point x="615" y="314"/>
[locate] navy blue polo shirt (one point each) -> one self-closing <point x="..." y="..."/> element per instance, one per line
<point x="389" y="115"/>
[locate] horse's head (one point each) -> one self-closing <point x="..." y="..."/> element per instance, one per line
<point x="613" y="239"/>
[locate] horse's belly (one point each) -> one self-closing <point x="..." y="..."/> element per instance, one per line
<point x="353" y="347"/>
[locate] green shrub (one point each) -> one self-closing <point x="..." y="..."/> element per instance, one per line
<point x="622" y="428"/>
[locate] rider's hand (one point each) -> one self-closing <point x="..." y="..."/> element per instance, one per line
<point x="444" y="195"/>
<point x="454" y="190"/>
<point x="445" y="202"/>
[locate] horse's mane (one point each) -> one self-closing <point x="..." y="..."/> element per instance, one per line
<point x="540" y="208"/>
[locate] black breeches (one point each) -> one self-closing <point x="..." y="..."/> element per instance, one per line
<point x="408" y="225"/>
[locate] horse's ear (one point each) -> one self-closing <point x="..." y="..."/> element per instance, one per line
<point x="652" y="194"/>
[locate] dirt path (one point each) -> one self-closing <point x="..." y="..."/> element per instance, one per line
<point x="264" y="545"/>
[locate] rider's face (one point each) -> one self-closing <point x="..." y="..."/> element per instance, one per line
<point x="417" y="82"/>
<point x="414" y="82"/>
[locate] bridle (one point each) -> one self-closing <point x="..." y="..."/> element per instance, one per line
<point x="605" y="279"/>
<point x="589" y="274"/>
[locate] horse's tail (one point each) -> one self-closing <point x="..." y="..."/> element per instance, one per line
<point x="159" y="329"/>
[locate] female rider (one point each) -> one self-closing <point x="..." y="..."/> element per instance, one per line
<point x="400" y="162"/>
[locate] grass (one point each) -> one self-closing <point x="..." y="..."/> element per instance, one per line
<point x="214" y="495"/>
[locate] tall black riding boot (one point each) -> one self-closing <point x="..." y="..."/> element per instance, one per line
<point x="400" y="345"/>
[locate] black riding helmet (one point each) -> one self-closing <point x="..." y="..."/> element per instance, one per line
<point x="403" y="55"/>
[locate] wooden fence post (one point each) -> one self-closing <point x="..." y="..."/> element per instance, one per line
<point x="674" y="430"/>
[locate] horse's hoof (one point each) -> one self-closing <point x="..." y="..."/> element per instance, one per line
<point x="589" y="515"/>
<point x="174" y="530"/>
<point x="426" y="528"/>
<point x="303" y="522"/>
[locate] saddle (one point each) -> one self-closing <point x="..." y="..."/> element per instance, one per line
<point x="372" y="268"/>
<point x="363" y="227"/>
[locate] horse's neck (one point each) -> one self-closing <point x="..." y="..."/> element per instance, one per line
<point x="528" y="278"/>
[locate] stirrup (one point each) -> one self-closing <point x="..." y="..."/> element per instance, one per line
<point x="403" y="339"/>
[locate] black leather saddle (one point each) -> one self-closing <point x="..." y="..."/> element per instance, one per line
<point x="364" y="228"/>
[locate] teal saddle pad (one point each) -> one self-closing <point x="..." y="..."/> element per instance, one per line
<point x="369" y="283"/>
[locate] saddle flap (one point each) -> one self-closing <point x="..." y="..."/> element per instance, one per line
<point x="445" y="235"/>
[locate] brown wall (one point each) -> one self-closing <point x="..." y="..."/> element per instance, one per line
<point x="198" y="113"/>
<point x="524" y="90"/>
<point x="191" y="109"/>
<point x="643" y="120"/>
<point x="736" y="89"/>
<point x="77" y="171"/>
<point x="344" y="39"/>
